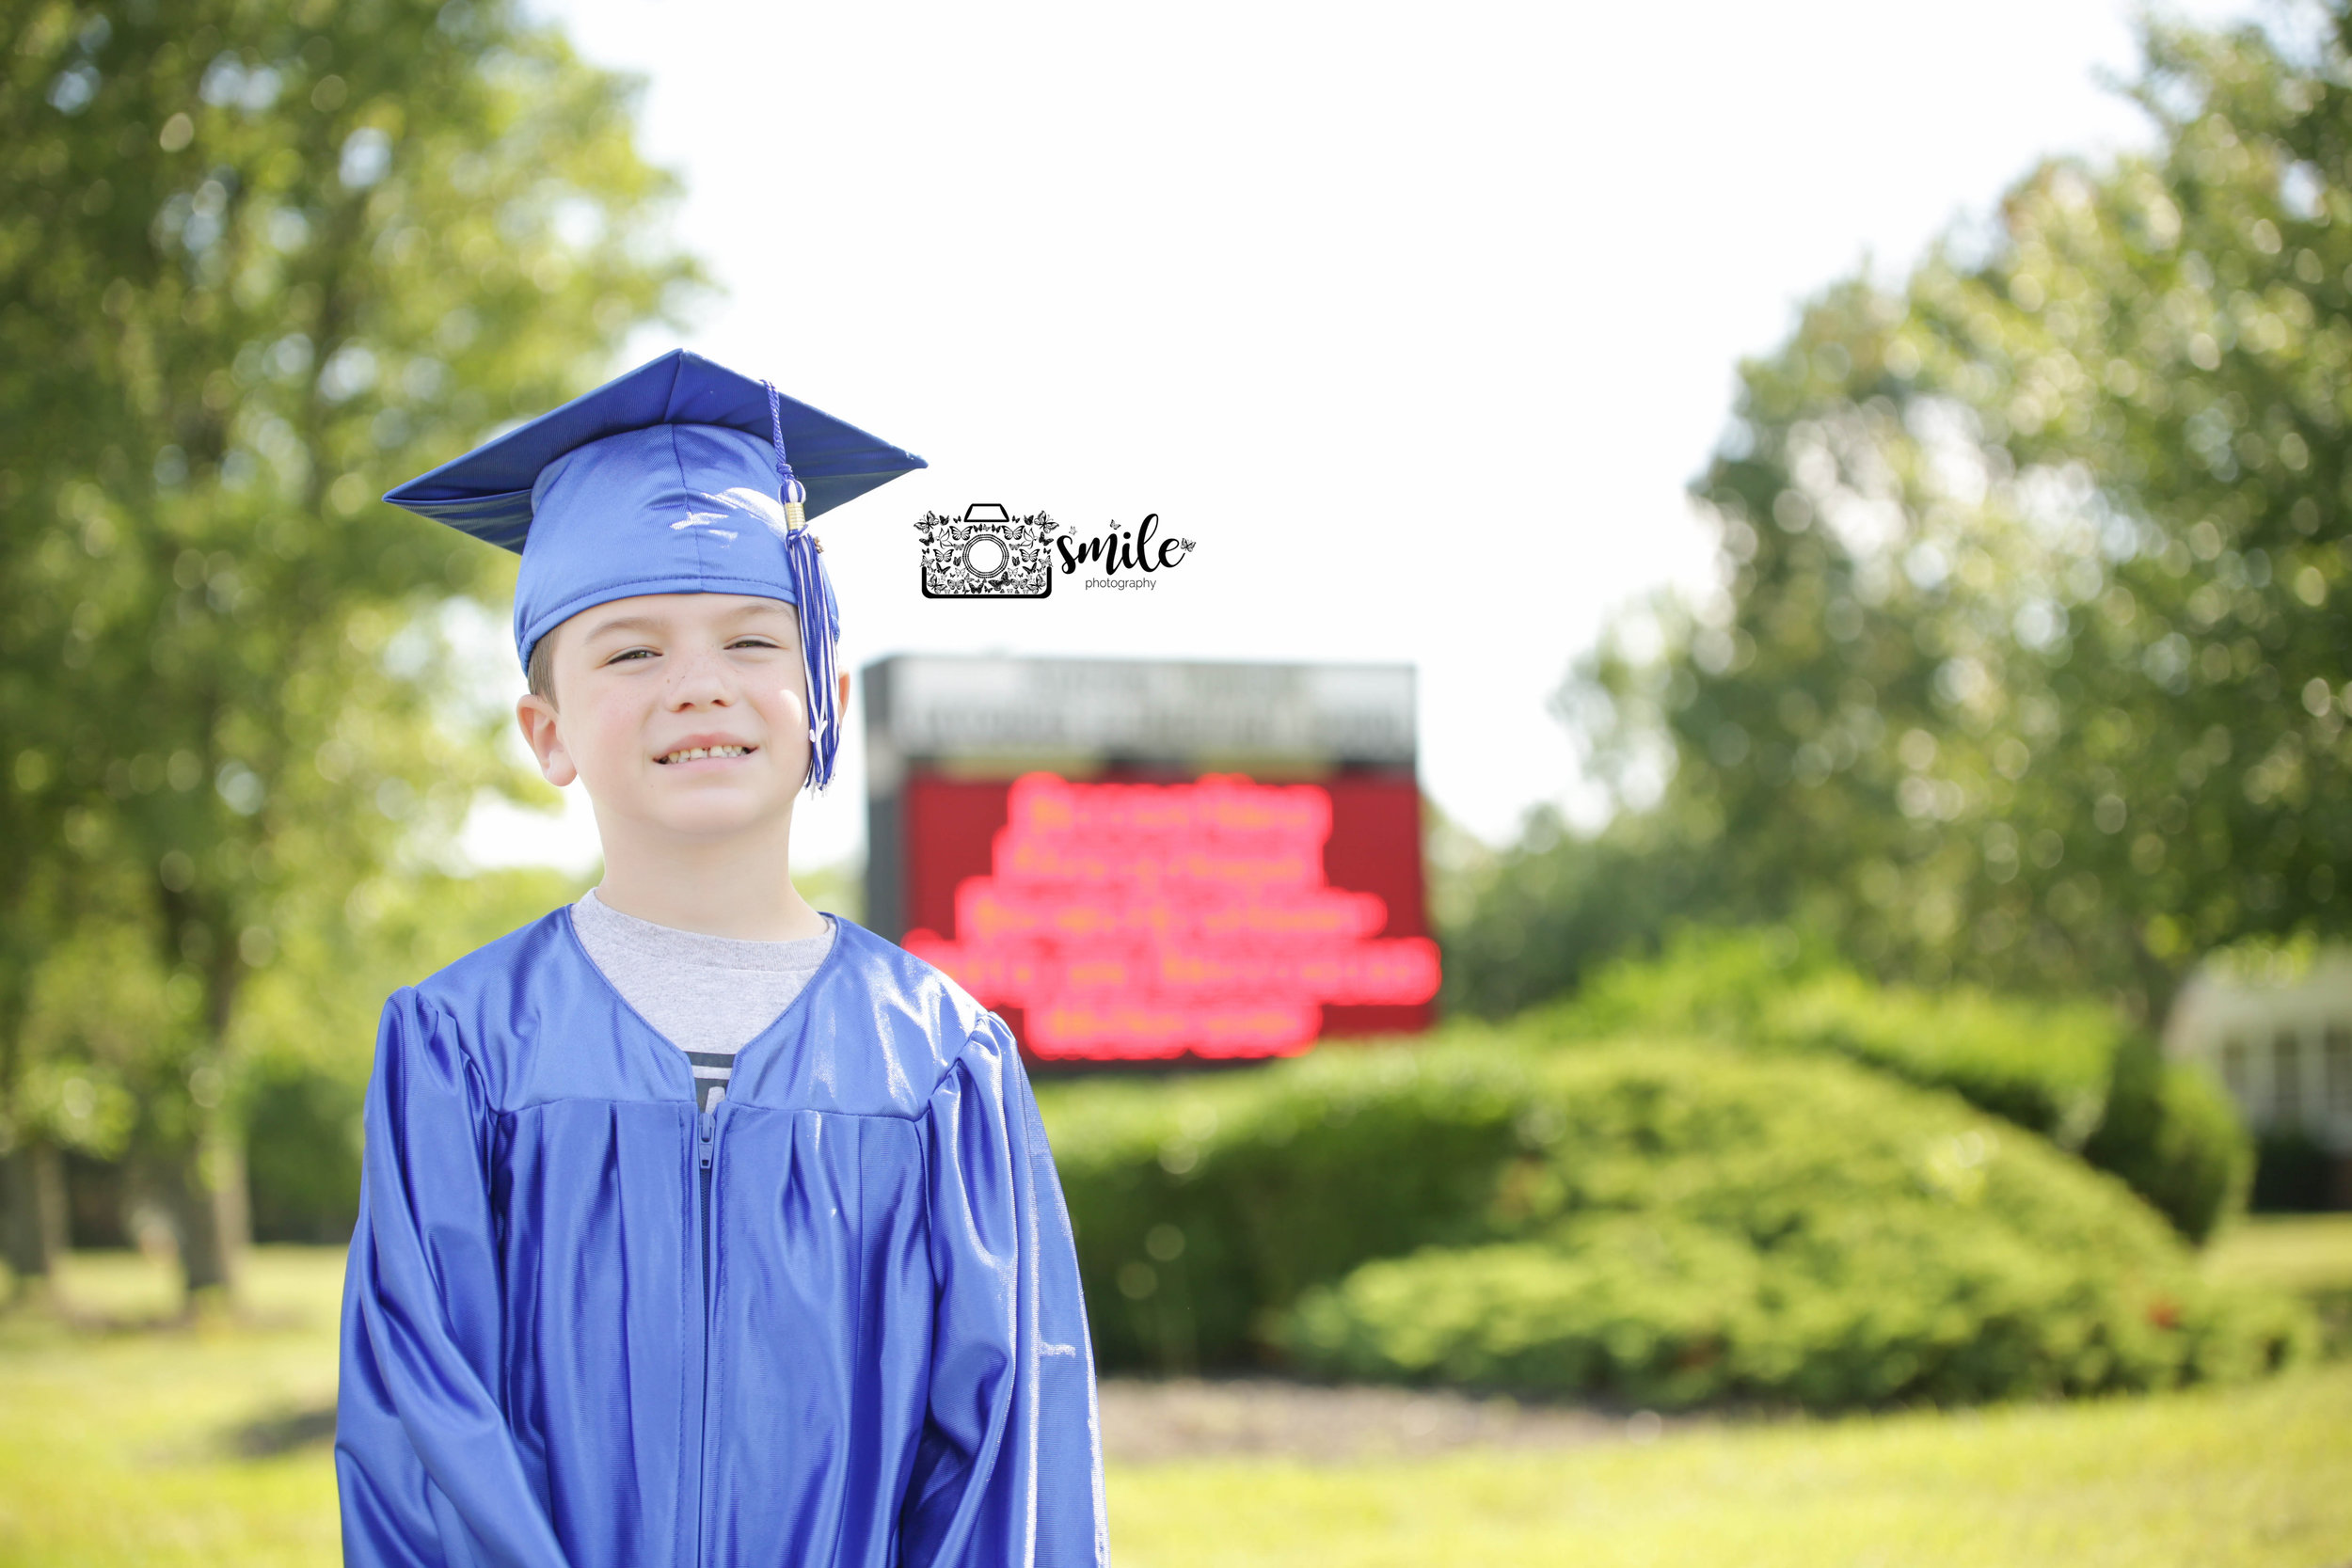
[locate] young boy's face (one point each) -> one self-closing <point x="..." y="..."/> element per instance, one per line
<point x="683" y="714"/>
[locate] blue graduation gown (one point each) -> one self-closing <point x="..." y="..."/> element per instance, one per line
<point x="837" y="1322"/>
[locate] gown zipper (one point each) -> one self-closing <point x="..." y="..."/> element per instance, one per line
<point x="708" y="1130"/>
<point x="709" y="1120"/>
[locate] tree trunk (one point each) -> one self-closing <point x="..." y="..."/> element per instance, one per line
<point x="204" y="1186"/>
<point x="2159" y="983"/>
<point x="211" y="1214"/>
<point x="33" y="1218"/>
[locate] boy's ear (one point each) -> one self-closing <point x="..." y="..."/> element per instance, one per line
<point x="535" y="715"/>
<point x="841" y="695"/>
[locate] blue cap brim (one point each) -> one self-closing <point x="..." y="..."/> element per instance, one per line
<point x="487" y="493"/>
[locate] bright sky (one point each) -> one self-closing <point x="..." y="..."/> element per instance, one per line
<point x="1416" y="319"/>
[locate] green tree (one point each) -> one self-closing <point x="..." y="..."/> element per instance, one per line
<point x="305" y="1025"/>
<point x="256" y="261"/>
<point x="1536" y="919"/>
<point x="2030" y="659"/>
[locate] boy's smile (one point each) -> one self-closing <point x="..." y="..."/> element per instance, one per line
<point x="684" y="714"/>
<point x="704" y="748"/>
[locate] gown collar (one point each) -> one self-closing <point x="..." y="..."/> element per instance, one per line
<point x="680" y="1067"/>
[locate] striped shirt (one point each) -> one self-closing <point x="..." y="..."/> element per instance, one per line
<point x="708" y="996"/>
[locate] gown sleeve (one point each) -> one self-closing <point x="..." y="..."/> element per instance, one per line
<point x="1008" y="1472"/>
<point x="425" y="1465"/>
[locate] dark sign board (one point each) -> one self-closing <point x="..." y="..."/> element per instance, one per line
<point x="1138" y="862"/>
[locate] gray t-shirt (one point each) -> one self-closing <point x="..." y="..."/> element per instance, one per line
<point x="708" y="996"/>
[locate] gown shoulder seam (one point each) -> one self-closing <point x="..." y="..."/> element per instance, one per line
<point x="963" y="1056"/>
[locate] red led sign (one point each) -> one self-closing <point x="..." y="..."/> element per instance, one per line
<point x="1218" y="918"/>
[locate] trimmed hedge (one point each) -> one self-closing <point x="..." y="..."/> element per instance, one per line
<point x="1666" y="1224"/>
<point x="1201" y="1203"/>
<point x="2174" y="1135"/>
<point x="2075" y="1072"/>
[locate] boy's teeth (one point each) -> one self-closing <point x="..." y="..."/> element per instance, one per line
<point x="696" y="754"/>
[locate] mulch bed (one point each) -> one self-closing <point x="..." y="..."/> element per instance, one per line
<point x="1148" y="1420"/>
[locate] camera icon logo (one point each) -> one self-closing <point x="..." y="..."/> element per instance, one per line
<point x="987" y="554"/>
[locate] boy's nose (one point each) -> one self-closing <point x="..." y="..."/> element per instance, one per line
<point x="701" y="681"/>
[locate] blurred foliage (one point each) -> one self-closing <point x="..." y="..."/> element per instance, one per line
<point x="1665" y="1223"/>
<point x="2076" y="1072"/>
<point x="1530" y="921"/>
<point x="837" y="889"/>
<point x="308" y="1021"/>
<point x="2172" y="1132"/>
<point x="256" y="261"/>
<point x="2043" y="1066"/>
<point x="302" y="1167"/>
<point x="2027" y="661"/>
<point x="1199" y="1204"/>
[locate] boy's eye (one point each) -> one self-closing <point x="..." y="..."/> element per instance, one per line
<point x="755" y="643"/>
<point x="631" y="653"/>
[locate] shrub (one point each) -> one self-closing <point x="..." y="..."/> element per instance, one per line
<point x="2075" y="1071"/>
<point x="302" y="1164"/>
<point x="1532" y="922"/>
<point x="1199" y="1204"/>
<point x="1707" y="1226"/>
<point x="2174" y="1135"/>
<point x="1665" y="1222"/>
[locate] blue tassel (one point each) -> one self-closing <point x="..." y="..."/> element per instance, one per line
<point x="821" y="638"/>
<point x="820" y="614"/>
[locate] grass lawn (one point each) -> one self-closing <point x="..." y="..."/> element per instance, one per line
<point x="2306" y="1254"/>
<point x="119" y="1448"/>
<point x="131" y="1447"/>
<point x="2250" y="1478"/>
<point x="2309" y="1253"/>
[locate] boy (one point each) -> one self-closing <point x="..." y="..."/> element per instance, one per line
<point x="700" y="1230"/>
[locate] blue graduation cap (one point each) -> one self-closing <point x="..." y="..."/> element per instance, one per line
<point x="681" y="476"/>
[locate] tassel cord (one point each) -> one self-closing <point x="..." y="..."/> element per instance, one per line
<point x="820" y="612"/>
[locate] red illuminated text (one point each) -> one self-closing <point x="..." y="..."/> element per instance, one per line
<point x="1139" y="921"/>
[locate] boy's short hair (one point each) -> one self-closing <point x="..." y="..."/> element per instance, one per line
<point x="540" y="672"/>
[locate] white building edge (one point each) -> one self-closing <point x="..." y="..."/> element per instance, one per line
<point x="2279" y="1038"/>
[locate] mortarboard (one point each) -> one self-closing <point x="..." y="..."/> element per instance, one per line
<point x="681" y="476"/>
